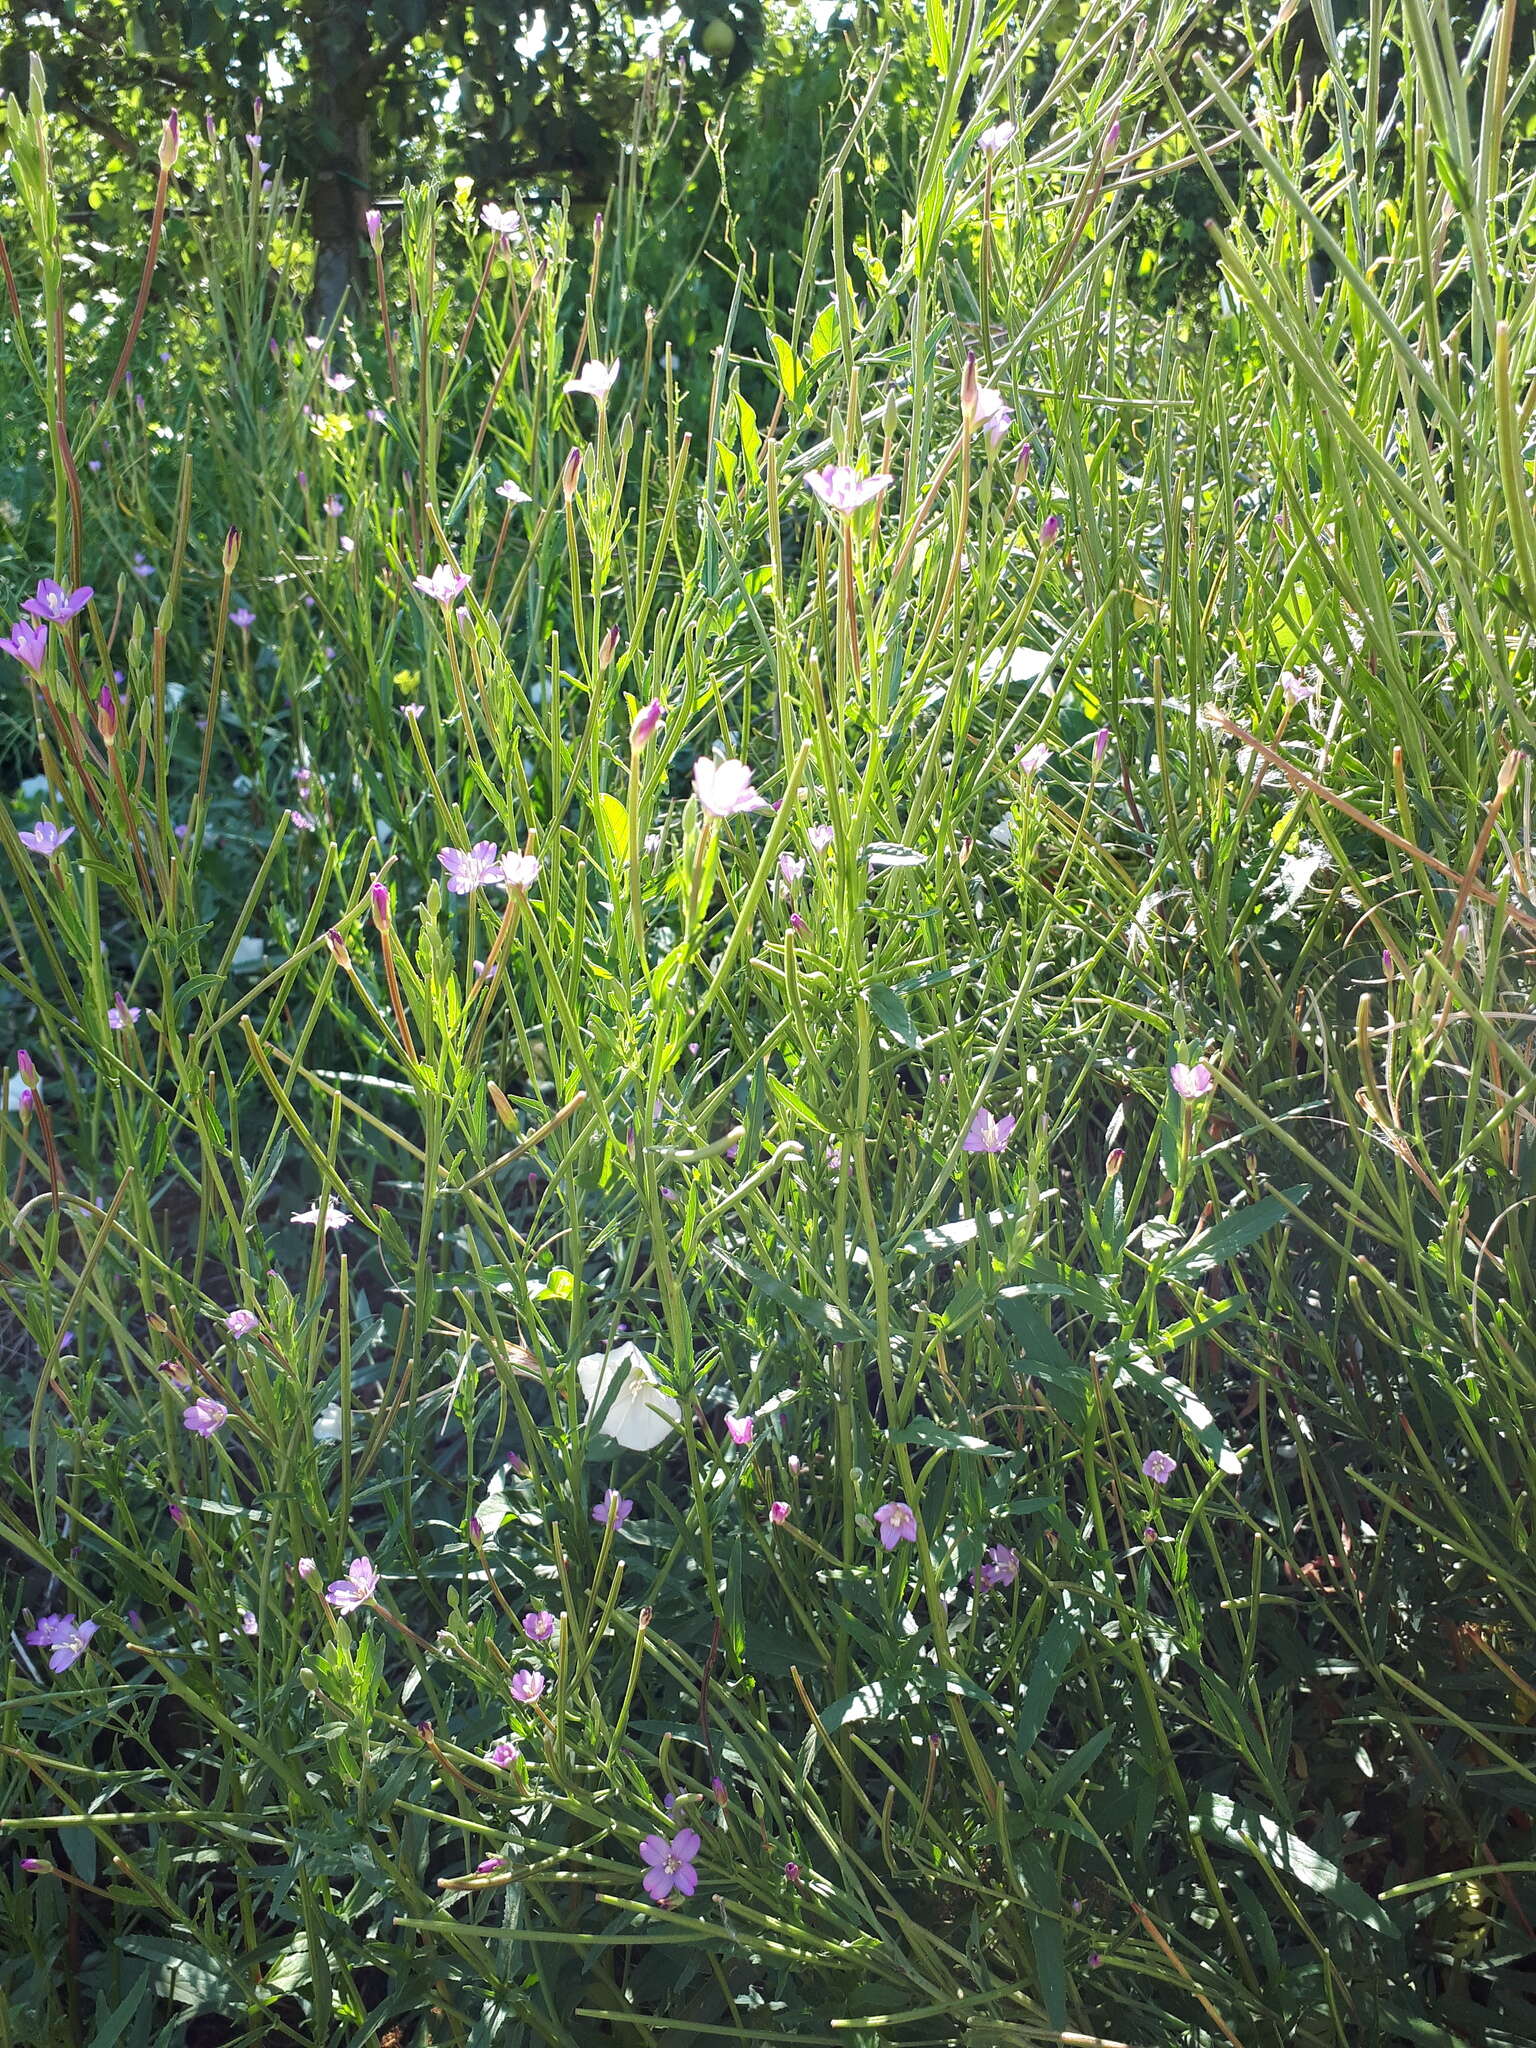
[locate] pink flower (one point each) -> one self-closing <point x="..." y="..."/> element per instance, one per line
<point x="1191" y="1082"/>
<point x="989" y="1133"/>
<point x="243" y="617"/>
<point x="897" y="1522"/>
<point x="595" y="380"/>
<point x="1050" y="530"/>
<point x="725" y="787"/>
<point x="739" y="1429"/>
<point x="513" y="493"/>
<point x="670" y="1864"/>
<point x="356" y="1589"/>
<point x="1159" y="1467"/>
<point x="444" y="583"/>
<point x="778" y="1514"/>
<point x="519" y="871"/>
<point x="538" y="1625"/>
<point x="993" y="414"/>
<point x="503" y="1754"/>
<point x="45" y="838"/>
<point x="645" y="723"/>
<point x="248" y="1621"/>
<point x="205" y="1417"/>
<point x="501" y="220"/>
<point x="820" y="837"/>
<point x="844" y="490"/>
<point x="120" y="1015"/>
<point x="478" y="867"/>
<point x="526" y="1687"/>
<point x="64" y="1639"/>
<point x="56" y="602"/>
<point x="994" y="140"/>
<point x="28" y="643"/>
<point x="373" y="221"/>
<point x="307" y="1568"/>
<point x="1000" y="1566"/>
<point x="613" y="1508"/>
<point x="242" y="1322"/>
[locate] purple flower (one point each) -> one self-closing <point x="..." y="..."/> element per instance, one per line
<point x="526" y="1687"/>
<point x="1159" y="1467"/>
<point x="373" y="221"/>
<point x="596" y="380"/>
<point x="356" y="1589"/>
<point x="739" y="1428"/>
<point x="778" y="1513"/>
<point x="56" y="602"/>
<point x="120" y="1014"/>
<point x="28" y="643"/>
<point x="613" y="1508"/>
<point x="897" y="1522"/>
<point x="306" y="1568"/>
<point x="503" y="1754"/>
<point x="538" y="1625"/>
<point x="845" y="490"/>
<point x="477" y="867"/>
<point x="1000" y="1566"/>
<point x="646" y="721"/>
<point x="670" y="1864"/>
<point x="63" y="1638"/>
<point x="243" y="617"/>
<point x="1050" y="530"/>
<point x="248" y="1621"/>
<point x="444" y="583"/>
<point x="1191" y="1082"/>
<point x="205" y="1417"/>
<point x="45" y="838"/>
<point x="989" y="1133"/>
<point x="725" y="787"/>
<point x="242" y="1322"/>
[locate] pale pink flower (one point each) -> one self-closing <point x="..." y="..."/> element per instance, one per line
<point x="989" y="1133"/>
<point x="739" y="1429"/>
<point x="205" y="1417"/>
<point x="475" y="867"/>
<point x="724" y="788"/>
<point x="1191" y="1082"/>
<point x="444" y="583"/>
<point x="897" y="1523"/>
<point x="45" y="838"/>
<point x="526" y="1686"/>
<point x="356" y="1589"/>
<point x="845" y="490"/>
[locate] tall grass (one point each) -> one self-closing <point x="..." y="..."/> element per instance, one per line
<point x="1176" y="725"/>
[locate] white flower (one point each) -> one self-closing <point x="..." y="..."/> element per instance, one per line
<point x="596" y="380"/>
<point x="333" y="1218"/>
<point x="625" y="1399"/>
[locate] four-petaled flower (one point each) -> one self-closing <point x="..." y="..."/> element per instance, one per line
<point x="63" y="1638"/>
<point x="356" y="1589"/>
<point x="1000" y="1566"/>
<point x="897" y="1523"/>
<point x="56" y="602"/>
<point x="520" y="871"/>
<point x="242" y="1322"/>
<point x="670" y="1864"/>
<point x="724" y="788"/>
<point x="625" y="1399"/>
<point x="45" y="838"/>
<point x="1191" y="1082"/>
<point x="845" y="490"/>
<point x="989" y="1133"/>
<point x="595" y="380"/>
<point x="513" y="493"/>
<point x="471" y="868"/>
<point x="28" y="643"/>
<point x="739" y="1428"/>
<point x="120" y="1014"/>
<point x="204" y="1416"/>
<point x="613" y="1509"/>
<point x="992" y="141"/>
<point x="538" y="1625"/>
<point x="444" y="583"/>
<point x="526" y="1686"/>
<point x="1159" y="1467"/>
<point x="994" y="415"/>
<point x="503" y="1754"/>
<point x="243" y="617"/>
<point x="501" y="220"/>
<point x="330" y="1218"/>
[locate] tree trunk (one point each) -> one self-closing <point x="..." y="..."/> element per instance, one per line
<point x="338" y="41"/>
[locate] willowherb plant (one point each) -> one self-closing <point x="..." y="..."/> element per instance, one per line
<point x="764" y="1212"/>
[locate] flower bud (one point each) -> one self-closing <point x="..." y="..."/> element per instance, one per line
<point x="1050" y="531"/>
<point x="378" y="897"/>
<point x="170" y="141"/>
<point x="26" y="1066"/>
<point x="373" y="221"/>
<point x="338" y="949"/>
<point x="646" y="720"/>
<point x="1100" y="742"/>
<point x="570" y="475"/>
<point x="505" y="1113"/>
<point x="968" y="391"/>
<point x="231" y="549"/>
<point x="608" y="648"/>
<point x="1114" y="1162"/>
<point x="106" y="714"/>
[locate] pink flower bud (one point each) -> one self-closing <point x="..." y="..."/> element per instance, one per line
<point x="570" y="475"/>
<point x="378" y="896"/>
<point x="646" y="721"/>
<point x="1050" y="531"/>
<point x="170" y="141"/>
<point x="373" y="221"/>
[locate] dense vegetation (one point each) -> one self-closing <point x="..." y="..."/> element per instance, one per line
<point x="766" y="1242"/>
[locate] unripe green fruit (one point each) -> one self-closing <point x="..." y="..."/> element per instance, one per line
<point x="719" y="38"/>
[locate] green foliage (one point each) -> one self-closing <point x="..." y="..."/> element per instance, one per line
<point x="1227" y="768"/>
